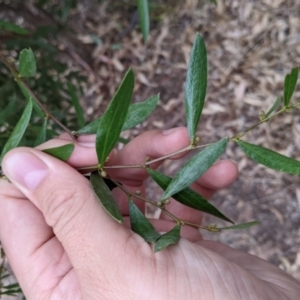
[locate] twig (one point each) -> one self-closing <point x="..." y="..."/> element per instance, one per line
<point x="266" y="119"/>
<point x="142" y="165"/>
<point x="34" y="97"/>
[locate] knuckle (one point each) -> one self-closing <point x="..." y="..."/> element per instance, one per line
<point x="62" y="205"/>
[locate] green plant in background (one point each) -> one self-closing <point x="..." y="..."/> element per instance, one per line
<point x="7" y="289"/>
<point x="143" y="10"/>
<point x="57" y="85"/>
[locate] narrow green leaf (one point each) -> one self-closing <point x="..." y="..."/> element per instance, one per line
<point x="62" y="152"/>
<point x="241" y="226"/>
<point x="90" y="128"/>
<point x="137" y="113"/>
<point x="27" y="65"/>
<point x="12" y="293"/>
<point x="12" y="28"/>
<point x="270" y="159"/>
<point x="290" y="82"/>
<point x="113" y="118"/>
<point x="213" y="1"/>
<point x="187" y="196"/>
<point x="18" y="131"/>
<point x="195" y="167"/>
<point x="195" y="86"/>
<point x="11" y="286"/>
<point x="143" y="9"/>
<point x="76" y="103"/>
<point x="41" y="138"/>
<point x="105" y="197"/>
<point x="167" y="239"/>
<point x="141" y="225"/>
<point x="274" y="106"/>
<point x="4" y="276"/>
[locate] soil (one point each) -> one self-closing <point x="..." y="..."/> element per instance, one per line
<point x="251" y="45"/>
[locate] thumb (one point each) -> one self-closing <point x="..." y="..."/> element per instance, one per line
<point x="68" y="204"/>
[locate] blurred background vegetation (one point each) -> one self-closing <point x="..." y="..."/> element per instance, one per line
<point x="53" y="29"/>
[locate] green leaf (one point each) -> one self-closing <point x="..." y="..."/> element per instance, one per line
<point x="27" y="65"/>
<point x="241" y="226"/>
<point x="290" y="82"/>
<point x="11" y="286"/>
<point x="113" y="119"/>
<point x="105" y="197"/>
<point x="19" y="130"/>
<point x="141" y="225"/>
<point x="187" y="196"/>
<point x="5" y="275"/>
<point x="41" y="138"/>
<point x="12" y="28"/>
<point x="195" y="167"/>
<point x="62" y="152"/>
<point x="143" y="9"/>
<point x="274" y="106"/>
<point x="90" y="128"/>
<point x="137" y="113"/>
<point x="167" y="239"/>
<point x="214" y="2"/>
<point x="76" y="103"/>
<point x="270" y="159"/>
<point x="195" y="86"/>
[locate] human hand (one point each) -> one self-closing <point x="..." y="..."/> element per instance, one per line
<point x="61" y="243"/>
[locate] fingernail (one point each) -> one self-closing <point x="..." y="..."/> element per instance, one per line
<point x="25" y="169"/>
<point x="168" y="131"/>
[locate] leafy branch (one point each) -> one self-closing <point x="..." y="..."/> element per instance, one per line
<point x="120" y="115"/>
<point x="263" y="119"/>
<point x="27" y="68"/>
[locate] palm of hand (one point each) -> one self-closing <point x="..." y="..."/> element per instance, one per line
<point x="71" y="249"/>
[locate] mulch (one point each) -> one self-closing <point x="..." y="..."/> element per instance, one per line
<point x="251" y="46"/>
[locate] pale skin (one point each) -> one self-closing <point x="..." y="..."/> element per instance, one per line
<point x="61" y="244"/>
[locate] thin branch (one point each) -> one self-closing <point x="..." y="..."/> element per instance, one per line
<point x="148" y="163"/>
<point x="161" y="206"/>
<point x="130" y="193"/>
<point x="266" y="119"/>
<point x="34" y="97"/>
<point x="142" y="165"/>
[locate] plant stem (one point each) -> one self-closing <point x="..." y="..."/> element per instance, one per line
<point x="34" y="97"/>
<point x="284" y="109"/>
<point x="163" y="209"/>
<point x="142" y="165"/>
<point x="129" y="193"/>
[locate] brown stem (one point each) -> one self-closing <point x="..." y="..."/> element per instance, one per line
<point x="284" y="109"/>
<point x="182" y="222"/>
<point x="128" y="192"/>
<point x="143" y="165"/>
<point x="34" y="97"/>
<point x="164" y="210"/>
<point x="148" y="163"/>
